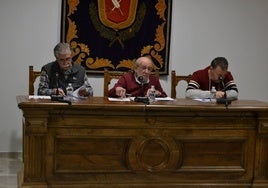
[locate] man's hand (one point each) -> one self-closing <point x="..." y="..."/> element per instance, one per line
<point x="121" y="92"/>
<point x="157" y="93"/>
<point x="82" y="92"/>
<point x="61" y="92"/>
<point x="219" y="94"/>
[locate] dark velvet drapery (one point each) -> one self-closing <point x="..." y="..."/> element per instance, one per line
<point x="113" y="33"/>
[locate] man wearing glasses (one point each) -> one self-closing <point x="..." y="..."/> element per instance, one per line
<point x="138" y="82"/>
<point x="56" y="76"/>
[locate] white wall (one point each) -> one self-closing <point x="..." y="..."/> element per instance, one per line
<point x="201" y="30"/>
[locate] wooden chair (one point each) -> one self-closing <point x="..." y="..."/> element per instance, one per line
<point x="109" y="76"/>
<point x="32" y="77"/>
<point x="175" y="79"/>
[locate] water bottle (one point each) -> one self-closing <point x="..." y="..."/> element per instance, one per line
<point x="213" y="94"/>
<point x="69" y="90"/>
<point x="152" y="94"/>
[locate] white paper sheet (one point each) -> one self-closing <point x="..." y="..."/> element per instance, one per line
<point x="164" y="99"/>
<point x="203" y="100"/>
<point x="132" y="99"/>
<point x="39" y="97"/>
<point x="119" y="99"/>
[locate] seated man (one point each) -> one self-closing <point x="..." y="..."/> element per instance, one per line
<point x="216" y="75"/>
<point x="138" y="82"/>
<point x="56" y="75"/>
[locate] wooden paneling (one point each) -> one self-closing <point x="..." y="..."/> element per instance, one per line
<point x="180" y="143"/>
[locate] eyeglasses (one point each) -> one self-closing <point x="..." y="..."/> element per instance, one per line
<point x="68" y="59"/>
<point x="145" y="67"/>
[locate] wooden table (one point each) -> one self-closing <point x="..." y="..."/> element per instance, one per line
<point x="181" y="143"/>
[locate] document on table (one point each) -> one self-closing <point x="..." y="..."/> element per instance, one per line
<point x="39" y="97"/>
<point x="76" y="94"/>
<point x="203" y="100"/>
<point x="121" y="99"/>
<point x="164" y="99"/>
<point x="132" y="99"/>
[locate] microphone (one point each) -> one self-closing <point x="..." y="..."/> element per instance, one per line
<point x="57" y="83"/>
<point x="57" y="97"/>
<point x="222" y="83"/>
<point x="221" y="78"/>
<point x="140" y="78"/>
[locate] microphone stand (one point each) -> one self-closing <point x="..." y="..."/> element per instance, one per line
<point x="57" y="97"/>
<point x="142" y="89"/>
<point x="142" y="98"/>
<point x="65" y="101"/>
<point x="225" y="100"/>
<point x="140" y="78"/>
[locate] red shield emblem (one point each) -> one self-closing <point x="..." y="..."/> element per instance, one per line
<point x="117" y="14"/>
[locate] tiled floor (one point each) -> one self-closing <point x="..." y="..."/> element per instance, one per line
<point x="10" y="164"/>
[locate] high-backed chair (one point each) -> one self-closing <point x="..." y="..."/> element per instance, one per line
<point x="33" y="75"/>
<point x="109" y="76"/>
<point x="175" y="80"/>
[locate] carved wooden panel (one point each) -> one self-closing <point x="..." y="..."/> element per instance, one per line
<point x="95" y="143"/>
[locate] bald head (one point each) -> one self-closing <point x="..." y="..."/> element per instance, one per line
<point x="143" y="61"/>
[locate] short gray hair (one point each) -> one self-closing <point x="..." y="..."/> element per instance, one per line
<point x="61" y="48"/>
<point x="139" y="60"/>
